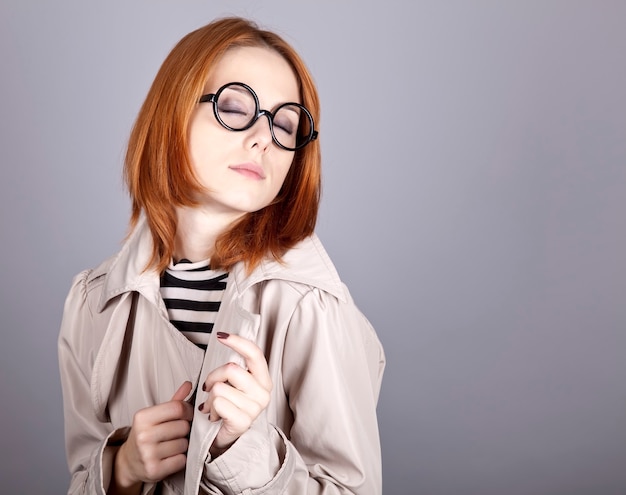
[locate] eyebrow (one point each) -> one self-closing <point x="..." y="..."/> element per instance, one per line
<point x="291" y="108"/>
<point x="242" y="90"/>
<point x="239" y="89"/>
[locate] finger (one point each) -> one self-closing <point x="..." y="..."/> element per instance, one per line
<point x="234" y="424"/>
<point x="233" y="374"/>
<point x="239" y="386"/>
<point x="253" y="356"/>
<point x="171" y="465"/>
<point x="183" y="391"/>
<point x="171" y="448"/>
<point x="249" y="405"/>
<point x="213" y="416"/>
<point x="171" y="431"/>
<point x="218" y="380"/>
<point x="164" y="432"/>
<point x="234" y="420"/>
<point x="163" y="413"/>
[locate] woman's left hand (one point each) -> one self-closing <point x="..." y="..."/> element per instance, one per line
<point x="236" y="395"/>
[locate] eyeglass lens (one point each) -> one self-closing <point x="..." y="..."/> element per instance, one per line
<point x="237" y="108"/>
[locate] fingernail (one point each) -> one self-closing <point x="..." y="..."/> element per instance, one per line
<point x="201" y="406"/>
<point x="204" y="387"/>
<point x="222" y="335"/>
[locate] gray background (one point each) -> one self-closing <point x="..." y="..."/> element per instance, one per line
<point x="474" y="202"/>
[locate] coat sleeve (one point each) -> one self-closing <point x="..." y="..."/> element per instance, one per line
<point x="90" y="444"/>
<point x="332" y="372"/>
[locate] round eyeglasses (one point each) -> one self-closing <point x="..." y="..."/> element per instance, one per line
<point x="236" y="107"/>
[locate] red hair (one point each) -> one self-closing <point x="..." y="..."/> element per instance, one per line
<point x="158" y="170"/>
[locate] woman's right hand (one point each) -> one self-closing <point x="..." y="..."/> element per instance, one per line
<point x="156" y="446"/>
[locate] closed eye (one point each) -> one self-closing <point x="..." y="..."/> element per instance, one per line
<point x="284" y="126"/>
<point x="232" y="107"/>
<point x="287" y="118"/>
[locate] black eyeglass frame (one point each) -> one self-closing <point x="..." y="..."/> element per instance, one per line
<point x="213" y="97"/>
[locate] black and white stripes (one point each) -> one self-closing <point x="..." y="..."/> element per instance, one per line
<point x="192" y="293"/>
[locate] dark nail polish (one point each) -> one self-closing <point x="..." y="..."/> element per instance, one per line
<point x="222" y="335"/>
<point x="204" y="387"/>
<point x="201" y="406"/>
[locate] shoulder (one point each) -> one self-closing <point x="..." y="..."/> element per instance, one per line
<point x="334" y="330"/>
<point x="87" y="284"/>
<point x="304" y="267"/>
<point x="81" y="303"/>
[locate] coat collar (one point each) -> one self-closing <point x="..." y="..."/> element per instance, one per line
<point x="306" y="263"/>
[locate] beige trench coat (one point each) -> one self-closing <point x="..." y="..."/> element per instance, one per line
<point x="118" y="353"/>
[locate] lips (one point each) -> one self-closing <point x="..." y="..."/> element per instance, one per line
<point x="251" y="170"/>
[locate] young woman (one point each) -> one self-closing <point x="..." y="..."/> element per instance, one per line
<point x="218" y="351"/>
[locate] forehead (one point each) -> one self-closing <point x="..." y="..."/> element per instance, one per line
<point x="263" y="69"/>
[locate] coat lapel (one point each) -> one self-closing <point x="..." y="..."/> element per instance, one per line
<point x="143" y="357"/>
<point x="236" y="320"/>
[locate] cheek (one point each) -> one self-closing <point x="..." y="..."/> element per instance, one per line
<point x="282" y="170"/>
<point x="198" y="137"/>
<point x="286" y="162"/>
<point x="206" y="145"/>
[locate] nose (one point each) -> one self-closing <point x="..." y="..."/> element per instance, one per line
<point x="260" y="133"/>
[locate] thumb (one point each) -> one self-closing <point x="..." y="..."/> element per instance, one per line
<point x="183" y="391"/>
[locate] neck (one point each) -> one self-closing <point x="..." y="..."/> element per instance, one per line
<point x="197" y="231"/>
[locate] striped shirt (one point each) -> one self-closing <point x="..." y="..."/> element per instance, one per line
<point x="192" y="293"/>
